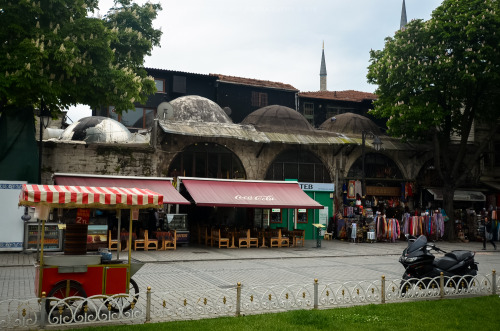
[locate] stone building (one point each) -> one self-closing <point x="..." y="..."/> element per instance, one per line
<point x="272" y="143"/>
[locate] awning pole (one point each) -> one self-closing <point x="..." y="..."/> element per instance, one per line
<point x="119" y="217"/>
<point x="130" y="239"/>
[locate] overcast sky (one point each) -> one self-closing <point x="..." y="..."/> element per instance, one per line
<point x="276" y="40"/>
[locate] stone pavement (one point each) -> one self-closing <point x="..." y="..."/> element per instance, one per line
<point x="193" y="252"/>
<point x="205" y="266"/>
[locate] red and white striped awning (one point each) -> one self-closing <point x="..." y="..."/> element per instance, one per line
<point x="89" y="197"/>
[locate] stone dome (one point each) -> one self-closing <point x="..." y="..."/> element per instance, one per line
<point x="350" y="123"/>
<point x="198" y="109"/>
<point x="279" y="119"/>
<point x="95" y="129"/>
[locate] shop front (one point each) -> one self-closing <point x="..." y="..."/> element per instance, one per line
<point x="101" y="222"/>
<point x="250" y="204"/>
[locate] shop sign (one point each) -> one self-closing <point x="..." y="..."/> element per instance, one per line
<point x="255" y="197"/>
<point x="383" y="191"/>
<point x="326" y="187"/>
<point x="82" y="216"/>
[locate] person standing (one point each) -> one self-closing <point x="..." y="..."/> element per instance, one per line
<point x="487" y="234"/>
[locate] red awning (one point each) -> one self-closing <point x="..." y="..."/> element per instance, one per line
<point x="89" y="197"/>
<point x="156" y="184"/>
<point x="245" y="193"/>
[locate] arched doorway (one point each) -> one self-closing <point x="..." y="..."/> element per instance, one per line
<point x="207" y="160"/>
<point x="301" y="165"/>
<point x="384" y="181"/>
<point x="314" y="179"/>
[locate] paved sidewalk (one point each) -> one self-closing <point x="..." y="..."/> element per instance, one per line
<point x="329" y="248"/>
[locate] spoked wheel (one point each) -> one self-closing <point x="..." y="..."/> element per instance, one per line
<point x="124" y="302"/>
<point x="62" y="290"/>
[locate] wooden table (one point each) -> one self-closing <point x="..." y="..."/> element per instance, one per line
<point x="232" y="234"/>
<point x="263" y="234"/>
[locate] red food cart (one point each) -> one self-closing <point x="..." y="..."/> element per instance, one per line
<point x="65" y="275"/>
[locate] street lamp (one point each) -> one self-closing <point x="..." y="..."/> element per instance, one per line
<point x="44" y="119"/>
<point x="377" y="143"/>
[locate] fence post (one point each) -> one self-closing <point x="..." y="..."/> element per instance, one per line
<point x="316" y="299"/>
<point x="43" y="311"/>
<point x="382" y="290"/>
<point x="148" y="305"/>
<point x="441" y="285"/>
<point x="494" y="282"/>
<point x="238" y="299"/>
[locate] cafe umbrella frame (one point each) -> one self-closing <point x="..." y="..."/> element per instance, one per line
<point x="46" y="197"/>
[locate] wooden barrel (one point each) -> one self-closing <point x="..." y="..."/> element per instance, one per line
<point x="75" y="242"/>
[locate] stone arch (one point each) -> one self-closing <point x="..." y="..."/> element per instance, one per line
<point x="207" y="160"/>
<point x="378" y="168"/>
<point x="301" y="164"/>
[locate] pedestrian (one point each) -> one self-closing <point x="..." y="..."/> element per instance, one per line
<point x="487" y="234"/>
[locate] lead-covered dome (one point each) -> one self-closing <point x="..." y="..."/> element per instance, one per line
<point x="198" y="109"/>
<point x="95" y="129"/>
<point x="279" y="119"/>
<point x="350" y="123"/>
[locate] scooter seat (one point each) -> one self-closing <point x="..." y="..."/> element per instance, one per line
<point x="445" y="262"/>
<point x="460" y="255"/>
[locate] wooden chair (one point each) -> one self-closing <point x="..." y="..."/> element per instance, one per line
<point x="208" y="236"/>
<point x="112" y="244"/>
<point x="243" y="239"/>
<point x="170" y="242"/>
<point x="253" y="241"/>
<point x="284" y="238"/>
<point x="217" y="238"/>
<point x="298" y="238"/>
<point x="150" y="243"/>
<point x="140" y="242"/>
<point x="275" y="239"/>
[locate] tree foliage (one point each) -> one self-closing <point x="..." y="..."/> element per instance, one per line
<point x="56" y="51"/>
<point x="436" y="77"/>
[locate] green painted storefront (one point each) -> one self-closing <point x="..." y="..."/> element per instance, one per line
<point x="319" y="192"/>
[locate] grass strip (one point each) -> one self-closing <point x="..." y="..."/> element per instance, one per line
<point x="478" y="313"/>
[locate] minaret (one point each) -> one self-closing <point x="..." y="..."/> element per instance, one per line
<point x="322" y="71"/>
<point x="403" y="17"/>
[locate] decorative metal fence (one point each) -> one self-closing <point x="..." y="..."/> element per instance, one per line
<point x="234" y="301"/>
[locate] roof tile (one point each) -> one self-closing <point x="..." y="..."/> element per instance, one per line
<point x="348" y="95"/>
<point x="254" y="82"/>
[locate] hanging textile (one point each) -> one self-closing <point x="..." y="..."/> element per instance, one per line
<point x="358" y="189"/>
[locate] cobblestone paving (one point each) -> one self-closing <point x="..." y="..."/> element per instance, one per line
<point x="198" y="267"/>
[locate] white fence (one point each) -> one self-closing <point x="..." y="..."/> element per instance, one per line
<point x="151" y="306"/>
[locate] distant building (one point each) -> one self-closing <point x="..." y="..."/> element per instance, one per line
<point x="322" y="71"/>
<point x="403" y="22"/>
<point x="236" y="95"/>
<point x="317" y="107"/>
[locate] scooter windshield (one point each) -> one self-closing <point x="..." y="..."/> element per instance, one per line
<point x="417" y="244"/>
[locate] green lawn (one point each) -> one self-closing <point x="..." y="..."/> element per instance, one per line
<point x="480" y="313"/>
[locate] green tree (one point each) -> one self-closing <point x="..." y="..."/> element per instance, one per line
<point x="436" y="78"/>
<point x="58" y="53"/>
<point x="55" y="51"/>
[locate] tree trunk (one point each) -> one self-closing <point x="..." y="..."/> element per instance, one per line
<point x="449" y="232"/>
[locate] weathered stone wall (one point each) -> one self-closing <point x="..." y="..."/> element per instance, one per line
<point x="98" y="159"/>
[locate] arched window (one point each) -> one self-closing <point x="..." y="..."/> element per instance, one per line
<point x="207" y="160"/>
<point x="377" y="166"/>
<point x="298" y="164"/>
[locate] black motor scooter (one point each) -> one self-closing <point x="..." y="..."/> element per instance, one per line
<point x="422" y="266"/>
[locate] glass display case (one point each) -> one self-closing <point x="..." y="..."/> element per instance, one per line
<point x="97" y="236"/>
<point x="179" y="223"/>
<point x="53" y="237"/>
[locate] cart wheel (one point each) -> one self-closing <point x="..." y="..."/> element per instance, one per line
<point x="61" y="291"/>
<point x="124" y="301"/>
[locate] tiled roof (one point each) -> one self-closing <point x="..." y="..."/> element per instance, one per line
<point x="349" y="95"/>
<point x="254" y="82"/>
